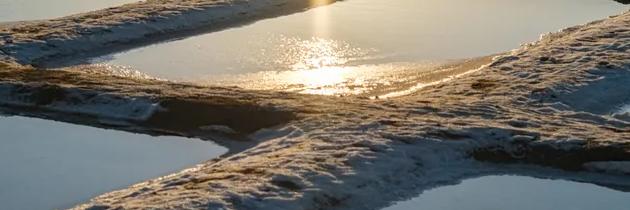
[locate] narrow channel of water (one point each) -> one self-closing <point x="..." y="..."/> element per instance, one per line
<point x="52" y="165"/>
<point x="356" y="46"/>
<point x="518" y="193"/>
<point x="20" y="10"/>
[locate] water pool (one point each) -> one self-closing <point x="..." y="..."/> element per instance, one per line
<point x="516" y="193"/>
<point x="52" y="165"/>
<point x="20" y="10"/>
<point x="358" y="45"/>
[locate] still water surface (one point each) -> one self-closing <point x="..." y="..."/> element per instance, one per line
<point x="518" y="193"/>
<point x="19" y="10"/>
<point x="356" y="46"/>
<point x="52" y="165"/>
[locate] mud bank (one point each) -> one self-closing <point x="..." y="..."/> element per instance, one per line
<point x="132" y="25"/>
<point x="546" y="103"/>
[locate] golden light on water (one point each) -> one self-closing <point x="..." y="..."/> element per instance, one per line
<point x="314" y="3"/>
<point x="327" y="80"/>
<point x="326" y="76"/>
<point x="317" y="66"/>
<point x="321" y="22"/>
<point x="319" y="53"/>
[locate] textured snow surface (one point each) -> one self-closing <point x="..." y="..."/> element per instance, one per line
<point x="547" y="103"/>
<point x="352" y="153"/>
<point x="103" y="105"/>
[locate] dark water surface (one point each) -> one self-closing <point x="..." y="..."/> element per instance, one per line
<point x="518" y="193"/>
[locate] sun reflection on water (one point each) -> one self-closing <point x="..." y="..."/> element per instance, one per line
<point x="313" y="66"/>
<point x="330" y="80"/>
<point x="331" y="74"/>
<point x="321" y="19"/>
<point x="314" y="53"/>
<point x="314" y="3"/>
<point x="326" y="67"/>
<point x="317" y="65"/>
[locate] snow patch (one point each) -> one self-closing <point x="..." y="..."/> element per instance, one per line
<point x="78" y="101"/>
<point x="604" y="95"/>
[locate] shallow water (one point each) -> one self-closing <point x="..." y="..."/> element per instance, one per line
<point x="518" y="193"/>
<point x="357" y="45"/>
<point x="52" y="165"/>
<point x="18" y="10"/>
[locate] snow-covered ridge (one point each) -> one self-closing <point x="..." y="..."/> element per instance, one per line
<point x="78" y="102"/>
<point x="146" y="21"/>
<point x="139" y="104"/>
<point x="356" y="153"/>
<point x="352" y="153"/>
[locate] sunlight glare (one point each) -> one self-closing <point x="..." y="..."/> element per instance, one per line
<point x="321" y="22"/>
<point x="315" y="3"/>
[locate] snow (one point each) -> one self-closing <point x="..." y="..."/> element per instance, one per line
<point x="358" y="153"/>
<point x="352" y="153"/>
<point x="102" y="105"/>
<point x="624" y="109"/>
